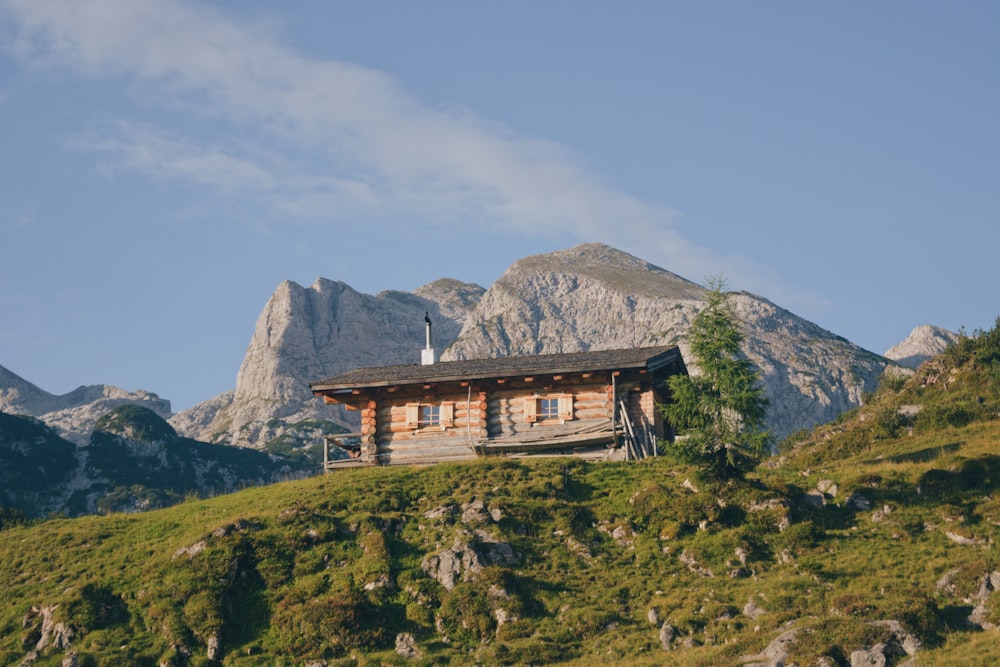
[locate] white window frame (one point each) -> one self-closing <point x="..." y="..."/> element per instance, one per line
<point x="415" y="415"/>
<point x="533" y="413"/>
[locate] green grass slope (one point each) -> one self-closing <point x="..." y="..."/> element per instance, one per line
<point x="891" y="514"/>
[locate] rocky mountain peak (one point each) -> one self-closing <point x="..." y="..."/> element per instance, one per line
<point x="614" y="268"/>
<point x="304" y="334"/>
<point x="924" y="342"/>
<point x="592" y="297"/>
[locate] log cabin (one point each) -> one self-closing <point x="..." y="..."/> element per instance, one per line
<point x="593" y="405"/>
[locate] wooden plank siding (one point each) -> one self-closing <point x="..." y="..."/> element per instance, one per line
<point x="435" y="415"/>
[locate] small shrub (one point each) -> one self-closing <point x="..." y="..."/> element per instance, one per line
<point x="940" y="416"/>
<point x="799" y="536"/>
<point x="93" y="606"/>
<point x="886" y="423"/>
<point x="327" y="625"/>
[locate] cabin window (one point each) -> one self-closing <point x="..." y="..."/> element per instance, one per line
<point x="548" y="408"/>
<point x="430" y="416"/>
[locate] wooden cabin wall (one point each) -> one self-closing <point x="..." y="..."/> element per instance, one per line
<point x="496" y="410"/>
<point x="398" y="442"/>
<point x="592" y="402"/>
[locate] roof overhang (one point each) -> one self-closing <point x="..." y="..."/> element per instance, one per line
<point x="659" y="362"/>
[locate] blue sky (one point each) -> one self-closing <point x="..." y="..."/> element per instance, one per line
<point x="164" y="165"/>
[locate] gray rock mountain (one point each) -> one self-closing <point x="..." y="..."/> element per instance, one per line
<point x="74" y="414"/>
<point x="924" y="342"/>
<point x="589" y="297"/>
<point x="308" y="333"/>
<point x="593" y="297"/>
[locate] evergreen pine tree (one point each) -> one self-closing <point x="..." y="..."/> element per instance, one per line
<point x="720" y="413"/>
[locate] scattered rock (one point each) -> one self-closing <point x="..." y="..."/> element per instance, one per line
<point x="579" y="548"/>
<point x="858" y="502"/>
<point x="464" y="560"/>
<point x="687" y="559"/>
<point x="653" y="616"/>
<point x="475" y="512"/>
<point x="988" y="582"/>
<point x="769" y="504"/>
<point x="774" y="655"/>
<point x="752" y="609"/>
<point x="827" y="487"/>
<point x="191" y="551"/>
<point x="881" y="515"/>
<point x="212" y="647"/>
<point x="622" y="534"/>
<point x="946" y="584"/>
<point x="406" y="646"/>
<point x="960" y="539"/>
<point x="899" y="643"/>
<point x="383" y="582"/>
<point x="441" y="512"/>
<point x="666" y="635"/>
<point x="448" y="566"/>
<point x="52" y="633"/>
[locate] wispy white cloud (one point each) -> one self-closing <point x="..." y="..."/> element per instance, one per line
<point x="318" y="139"/>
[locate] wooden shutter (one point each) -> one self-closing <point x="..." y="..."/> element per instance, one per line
<point x="566" y="407"/>
<point x="412" y="415"/>
<point x="447" y="414"/>
<point x="530" y="409"/>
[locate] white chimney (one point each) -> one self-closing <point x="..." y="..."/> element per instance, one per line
<point x="427" y="354"/>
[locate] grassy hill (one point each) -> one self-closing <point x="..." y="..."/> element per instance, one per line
<point x="890" y="514"/>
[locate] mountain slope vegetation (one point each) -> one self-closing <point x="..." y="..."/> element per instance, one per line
<point x="134" y="461"/>
<point x="872" y="536"/>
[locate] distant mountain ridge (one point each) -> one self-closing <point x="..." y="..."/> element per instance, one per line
<point x="587" y="297"/>
<point x="133" y="461"/>
<point x="74" y="414"/>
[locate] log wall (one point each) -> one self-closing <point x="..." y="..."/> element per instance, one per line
<point x="494" y="410"/>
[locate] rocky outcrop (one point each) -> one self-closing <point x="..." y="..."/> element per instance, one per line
<point x="592" y="297"/>
<point x="304" y="334"/>
<point x="924" y="342"/>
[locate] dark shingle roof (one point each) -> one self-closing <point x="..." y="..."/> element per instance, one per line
<point x="473" y="369"/>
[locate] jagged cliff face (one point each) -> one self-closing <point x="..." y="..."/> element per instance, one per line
<point x="305" y="334"/>
<point x="593" y="297"/>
